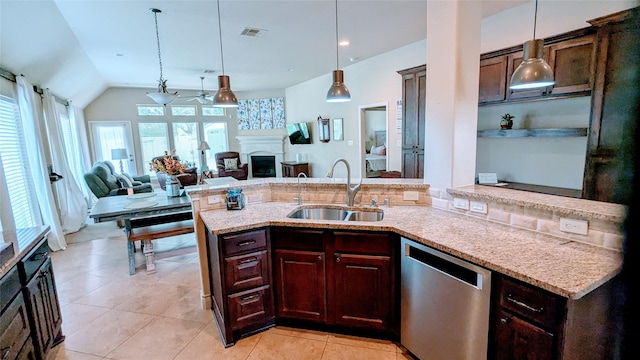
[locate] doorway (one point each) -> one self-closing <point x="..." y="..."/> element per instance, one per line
<point x="109" y="135"/>
<point x="373" y="139"/>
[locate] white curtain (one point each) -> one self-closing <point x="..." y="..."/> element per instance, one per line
<point x="31" y="114"/>
<point x="71" y="202"/>
<point x="79" y="128"/>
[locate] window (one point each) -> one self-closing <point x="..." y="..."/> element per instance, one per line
<point x="212" y="111"/>
<point x="185" y="140"/>
<point x="154" y="141"/>
<point x="183" y="111"/>
<point x="22" y="193"/>
<point x="150" y="110"/>
<point x="215" y="134"/>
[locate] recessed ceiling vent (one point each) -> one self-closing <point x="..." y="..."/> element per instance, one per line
<point x="253" y="32"/>
<point x="209" y="71"/>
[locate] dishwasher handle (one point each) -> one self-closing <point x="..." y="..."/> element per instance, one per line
<point x="456" y="270"/>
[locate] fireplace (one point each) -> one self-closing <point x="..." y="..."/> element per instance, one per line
<point x="271" y="146"/>
<point x="263" y="166"/>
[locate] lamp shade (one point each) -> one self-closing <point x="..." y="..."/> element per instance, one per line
<point x="533" y="72"/>
<point x="338" y="92"/>
<point x="162" y="98"/>
<point x="204" y="146"/>
<point x="224" y="97"/>
<point x="119" y="154"/>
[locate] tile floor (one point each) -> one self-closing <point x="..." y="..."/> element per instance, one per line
<point x="108" y="314"/>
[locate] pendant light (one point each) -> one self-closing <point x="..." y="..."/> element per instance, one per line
<point x="224" y="97"/>
<point x="162" y="96"/>
<point x="338" y="92"/>
<point x="533" y="72"/>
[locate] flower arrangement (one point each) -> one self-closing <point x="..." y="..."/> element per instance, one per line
<point x="507" y="121"/>
<point x="169" y="164"/>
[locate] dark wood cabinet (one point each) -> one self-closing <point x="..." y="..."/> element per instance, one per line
<point x="513" y="61"/>
<point x="573" y="62"/>
<point x="518" y="339"/>
<point x="294" y="168"/>
<point x="493" y="79"/>
<point x="344" y="279"/>
<point x="15" y="342"/>
<point x="240" y="276"/>
<point x="612" y="119"/>
<point x="414" y="87"/>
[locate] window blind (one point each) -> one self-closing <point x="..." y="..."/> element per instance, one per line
<point x="22" y="198"/>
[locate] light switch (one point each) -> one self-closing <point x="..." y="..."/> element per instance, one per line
<point x="350" y="142"/>
<point x="411" y="195"/>
<point x="479" y="207"/>
<point x="460" y="203"/>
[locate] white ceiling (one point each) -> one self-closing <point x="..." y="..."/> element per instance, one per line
<point x="71" y="46"/>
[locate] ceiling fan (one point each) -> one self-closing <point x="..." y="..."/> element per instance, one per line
<point x="203" y="97"/>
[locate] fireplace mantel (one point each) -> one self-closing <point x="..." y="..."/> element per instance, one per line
<point x="262" y="145"/>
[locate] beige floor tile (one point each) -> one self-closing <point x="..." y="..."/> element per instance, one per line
<point x="187" y="274"/>
<point x="189" y="307"/>
<point x="301" y="333"/>
<point x="283" y="347"/>
<point x="383" y="345"/>
<point x="163" y="338"/>
<point x="76" y="316"/>
<point x="110" y="295"/>
<point x="153" y="299"/>
<point x="60" y="353"/>
<point x="79" y="286"/>
<point x="207" y="345"/>
<point x="347" y="352"/>
<point x="107" y="332"/>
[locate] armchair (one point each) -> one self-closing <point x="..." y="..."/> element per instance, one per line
<point x="189" y="177"/>
<point x="104" y="181"/>
<point x="229" y="167"/>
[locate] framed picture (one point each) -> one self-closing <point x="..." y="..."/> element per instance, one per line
<point x="324" y="134"/>
<point x="337" y="130"/>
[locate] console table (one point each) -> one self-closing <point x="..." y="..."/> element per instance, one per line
<point x="294" y="168"/>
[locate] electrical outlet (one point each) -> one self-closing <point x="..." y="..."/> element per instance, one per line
<point x="411" y="195"/>
<point x="350" y="143"/>
<point x="574" y="226"/>
<point x="399" y="143"/>
<point x="459" y="203"/>
<point x="479" y="207"/>
<point x="214" y="200"/>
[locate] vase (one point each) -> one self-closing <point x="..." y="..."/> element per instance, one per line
<point x="172" y="186"/>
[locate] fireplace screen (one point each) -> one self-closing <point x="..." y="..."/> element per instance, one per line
<point x="263" y="166"/>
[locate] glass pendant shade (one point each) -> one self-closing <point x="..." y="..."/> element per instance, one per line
<point x="224" y="97"/>
<point x="533" y="72"/>
<point x="163" y="98"/>
<point x="338" y="91"/>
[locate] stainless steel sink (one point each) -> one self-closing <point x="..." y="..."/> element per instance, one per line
<point x="336" y="213"/>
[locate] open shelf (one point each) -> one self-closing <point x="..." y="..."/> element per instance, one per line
<point x="516" y="133"/>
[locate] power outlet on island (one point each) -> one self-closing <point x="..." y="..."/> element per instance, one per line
<point x="411" y="195"/>
<point x="459" y="203"/>
<point x="479" y="207"/>
<point x="580" y="227"/>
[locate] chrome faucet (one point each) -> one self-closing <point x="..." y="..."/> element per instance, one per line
<point x="299" y="198"/>
<point x="351" y="191"/>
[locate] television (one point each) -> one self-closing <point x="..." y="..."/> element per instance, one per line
<point x="298" y="133"/>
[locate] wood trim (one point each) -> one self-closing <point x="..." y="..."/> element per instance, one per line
<point x="413" y="70"/>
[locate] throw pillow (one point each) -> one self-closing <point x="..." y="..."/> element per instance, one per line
<point x="124" y="181"/>
<point x="231" y="164"/>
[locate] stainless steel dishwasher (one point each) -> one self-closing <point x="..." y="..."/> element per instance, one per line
<point x="444" y="305"/>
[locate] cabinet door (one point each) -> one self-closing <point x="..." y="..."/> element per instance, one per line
<point x="362" y="291"/>
<point x="413" y="164"/>
<point x="518" y="339"/>
<point x="414" y="100"/>
<point x="514" y="60"/>
<point x="14" y="329"/>
<point x="300" y="285"/>
<point x="573" y="64"/>
<point x="493" y="79"/>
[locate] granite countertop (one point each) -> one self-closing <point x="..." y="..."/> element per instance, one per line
<point x="566" y="268"/>
<point x="23" y="241"/>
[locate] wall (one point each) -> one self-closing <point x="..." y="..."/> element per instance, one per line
<point x="372" y="81"/>
<point x="555" y="162"/>
<point x="375" y="120"/>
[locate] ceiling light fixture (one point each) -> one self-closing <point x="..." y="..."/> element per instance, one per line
<point x="224" y="97"/>
<point x="533" y="72"/>
<point x="338" y="92"/>
<point x="203" y="97"/>
<point x="162" y="97"/>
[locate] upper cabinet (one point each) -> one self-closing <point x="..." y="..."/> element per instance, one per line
<point x="572" y="57"/>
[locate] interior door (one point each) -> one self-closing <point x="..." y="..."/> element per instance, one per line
<point x="109" y="135"/>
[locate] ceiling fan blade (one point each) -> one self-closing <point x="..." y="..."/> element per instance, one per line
<point x="203" y="100"/>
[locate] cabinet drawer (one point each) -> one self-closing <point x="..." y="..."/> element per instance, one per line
<point x="533" y="304"/>
<point x="250" y="307"/>
<point x="9" y="287"/>
<point x="246" y="271"/>
<point x="363" y="243"/>
<point x="298" y="239"/>
<point x="30" y="264"/>
<point x="14" y="329"/>
<point x="248" y="241"/>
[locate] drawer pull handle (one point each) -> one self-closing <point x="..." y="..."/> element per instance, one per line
<point x="505" y="320"/>
<point x="246" y="261"/>
<point x="245" y="243"/>
<point x="250" y="297"/>
<point x="521" y="304"/>
<point x="8" y="350"/>
<point x="40" y="256"/>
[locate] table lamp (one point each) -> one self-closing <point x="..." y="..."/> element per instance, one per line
<point x="203" y="147"/>
<point x="119" y="154"/>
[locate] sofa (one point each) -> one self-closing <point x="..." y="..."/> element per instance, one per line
<point x="228" y="164"/>
<point x="189" y="177"/>
<point x="103" y="181"/>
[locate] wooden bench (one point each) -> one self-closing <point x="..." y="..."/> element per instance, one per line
<point x="152" y="228"/>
